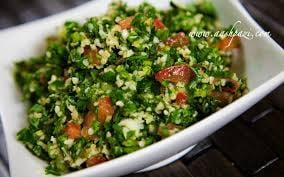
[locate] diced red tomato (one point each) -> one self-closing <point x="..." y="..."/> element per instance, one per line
<point x="92" y="55"/>
<point x="226" y="95"/>
<point x="172" y="126"/>
<point x="231" y="86"/>
<point x="224" y="98"/>
<point x="105" y="109"/>
<point x="181" y="98"/>
<point x="178" y="40"/>
<point x="88" y="120"/>
<point x="95" y="160"/>
<point x="126" y="23"/>
<point x="177" y="73"/>
<point x="229" y="43"/>
<point x="73" y="130"/>
<point x="158" y="24"/>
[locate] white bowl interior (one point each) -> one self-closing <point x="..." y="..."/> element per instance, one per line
<point x="263" y="57"/>
<point x="263" y="61"/>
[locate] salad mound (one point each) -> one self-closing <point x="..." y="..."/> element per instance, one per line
<point x="122" y="81"/>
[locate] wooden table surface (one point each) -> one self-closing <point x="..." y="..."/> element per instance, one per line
<point x="250" y="146"/>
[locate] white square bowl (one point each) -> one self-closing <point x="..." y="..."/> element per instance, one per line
<point x="264" y="66"/>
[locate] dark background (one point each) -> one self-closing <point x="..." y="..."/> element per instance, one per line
<point x="250" y="146"/>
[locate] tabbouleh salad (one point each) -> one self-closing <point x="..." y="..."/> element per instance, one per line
<point x="123" y="81"/>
